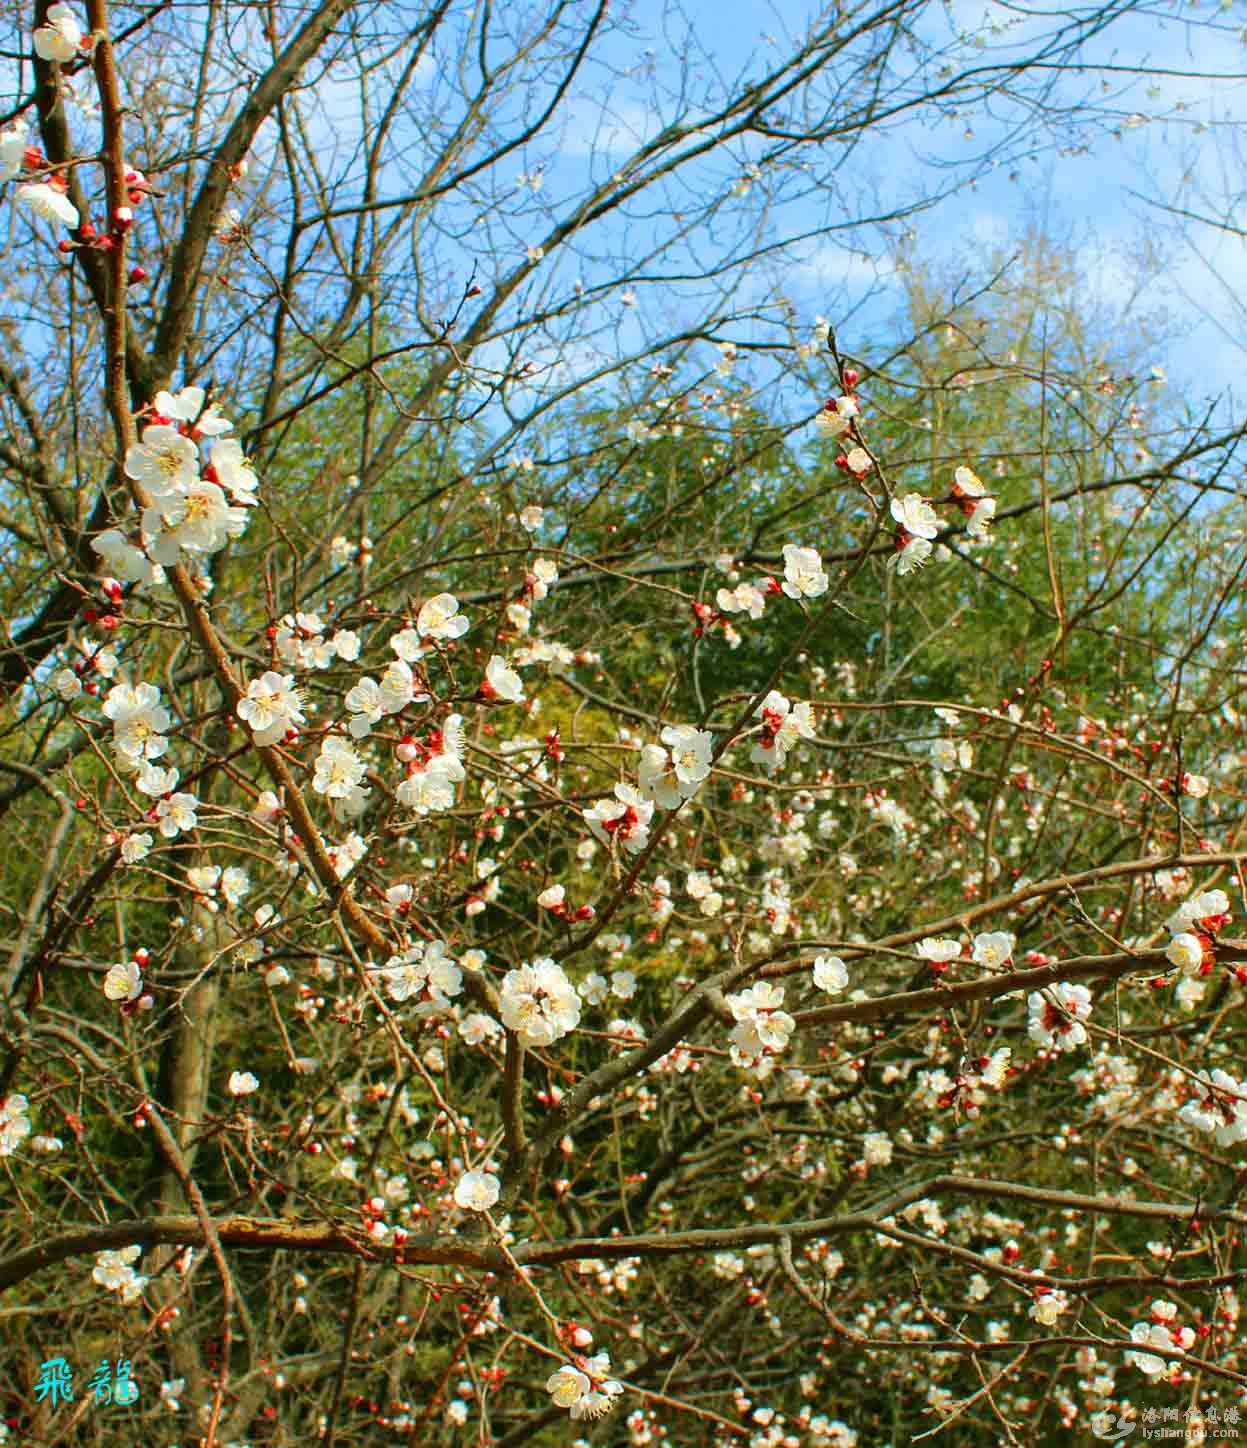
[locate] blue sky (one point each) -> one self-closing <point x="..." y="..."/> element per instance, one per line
<point x="1162" y="137"/>
<point x="1168" y="103"/>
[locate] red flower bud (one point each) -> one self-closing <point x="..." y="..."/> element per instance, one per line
<point x="137" y="274"/>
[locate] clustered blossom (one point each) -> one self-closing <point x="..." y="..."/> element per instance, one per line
<point x="425" y="974"/>
<point x="672" y="775"/>
<point x="972" y="498"/>
<point x="14" y="1123"/>
<point x="302" y="641"/>
<point x="1219" y="1107"/>
<point x="917" y="525"/>
<point x="139" y="722"/>
<point x="947" y="754"/>
<point x="783" y="724"/>
<point x="233" y="882"/>
<point x="1056" y="1016"/>
<point x="114" y="1271"/>
<point x="198" y="489"/>
<point x="1160" y="1331"/>
<point x="762" y="1028"/>
<point x="539" y="1003"/>
<point x="626" y="818"/>
<point x="584" y="1387"/>
<point x="1192" y="947"/>
<point x="433" y="766"/>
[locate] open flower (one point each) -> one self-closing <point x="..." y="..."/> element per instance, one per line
<point x="60" y="35"/>
<point x="139" y="721"/>
<point x="830" y="973"/>
<point x="439" y="618"/>
<point x="477" y="1191"/>
<point x="12" y="150"/>
<point x="502" y="683"/>
<point x="539" y="1003"/>
<point x="915" y="515"/>
<point x="272" y="706"/>
<point x="48" y="201"/>
<point x="803" y="572"/>
<point x="585" y="1389"/>
<point x="164" y="461"/>
<point x="625" y="818"/>
<point x="124" y="982"/>
<point x="1057" y="1015"/>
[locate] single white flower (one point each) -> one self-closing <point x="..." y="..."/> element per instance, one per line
<point x="995" y="948"/>
<point x="439" y="618"/>
<point x="12" y="150"/>
<point x="60" y="35"/>
<point x="830" y="974"/>
<point x="477" y="1191"/>
<point x="918" y="518"/>
<point x="803" y="572"/>
<point x="339" y="769"/>
<point x="139" y="721"/>
<point x="233" y="471"/>
<point x="501" y="682"/>
<point x="938" y="952"/>
<point x="915" y="553"/>
<point x="164" y="461"/>
<point x="271" y="707"/>
<point x="124" y="982"/>
<point x="1186" y="951"/>
<point x="135" y="847"/>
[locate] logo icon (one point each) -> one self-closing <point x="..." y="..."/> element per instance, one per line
<point x="1109" y="1428"/>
